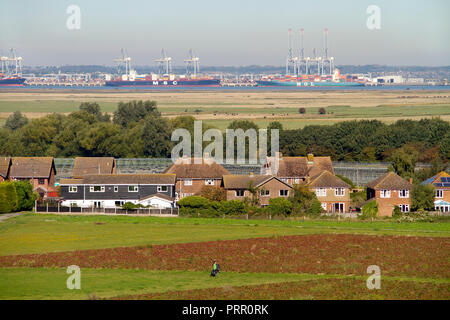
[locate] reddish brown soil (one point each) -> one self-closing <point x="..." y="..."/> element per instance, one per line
<point x="323" y="289"/>
<point x="332" y="254"/>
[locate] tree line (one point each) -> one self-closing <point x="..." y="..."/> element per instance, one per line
<point x="137" y="129"/>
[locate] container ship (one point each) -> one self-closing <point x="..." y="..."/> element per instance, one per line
<point x="11" y="81"/>
<point x="334" y="80"/>
<point x="133" y="80"/>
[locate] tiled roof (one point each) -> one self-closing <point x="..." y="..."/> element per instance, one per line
<point x="27" y="167"/>
<point x="207" y="168"/>
<point x="292" y="167"/>
<point x="319" y="164"/>
<point x="123" y="179"/>
<point x="243" y="181"/>
<point x="328" y="180"/>
<point x="158" y="195"/>
<point x="92" y="165"/>
<point x="5" y="163"/>
<point x="389" y="181"/>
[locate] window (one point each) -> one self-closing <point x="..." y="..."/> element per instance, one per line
<point x="209" y="182"/>
<point x="188" y="182"/>
<point x="296" y="181"/>
<point x="73" y="189"/>
<point x="240" y="193"/>
<point x="162" y="189"/>
<point x="133" y="189"/>
<point x="321" y="192"/>
<point x="439" y="193"/>
<point x="404" y="207"/>
<point x="324" y="206"/>
<point x="284" y="193"/>
<point x="41" y="181"/>
<point x="186" y="195"/>
<point x="97" y="189"/>
<point x="403" y="193"/>
<point x="119" y="203"/>
<point x="339" y="191"/>
<point x="265" y="193"/>
<point x="385" y="193"/>
<point x="116" y="188"/>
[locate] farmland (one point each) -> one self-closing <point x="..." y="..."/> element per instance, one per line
<point x="219" y="108"/>
<point x="125" y="257"/>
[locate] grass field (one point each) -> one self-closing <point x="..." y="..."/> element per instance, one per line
<point x="219" y="108"/>
<point x="32" y="233"/>
<point x="169" y="258"/>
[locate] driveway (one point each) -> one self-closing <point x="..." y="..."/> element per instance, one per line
<point x="9" y="215"/>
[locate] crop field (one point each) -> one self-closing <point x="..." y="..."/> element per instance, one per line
<point x="124" y="257"/>
<point x="219" y="108"/>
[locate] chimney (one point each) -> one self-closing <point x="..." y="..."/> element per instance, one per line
<point x="410" y="180"/>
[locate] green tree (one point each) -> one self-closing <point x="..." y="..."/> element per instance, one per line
<point x="404" y="162"/>
<point x="25" y="195"/>
<point x="16" y="121"/>
<point x="279" y="206"/>
<point x="156" y="136"/>
<point x="422" y="197"/>
<point x="213" y="193"/>
<point x="8" y="197"/>
<point x="369" y="210"/>
<point x="94" y="109"/>
<point x="302" y="199"/>
<point x="134" y="111"/>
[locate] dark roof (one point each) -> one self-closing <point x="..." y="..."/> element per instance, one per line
<point x="328" y="180"/>
<point x="389" y="181"/>
<point x="243" y="181"/>
<point x="92" y="165"/>
<point x="440" y="180"/>
<point x="208" y="168"/>
<point x="123" y="179"/>
<point x="292" y="167"/>
<point x="158" y="195"/>
<point x="5" y="163"/>
<point x="27" y="167"/>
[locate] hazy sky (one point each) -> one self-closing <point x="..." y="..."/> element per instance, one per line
<point x="225" y="32"/>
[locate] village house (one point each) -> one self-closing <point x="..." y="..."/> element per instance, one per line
<point x="265" y="187"/>
<point x="93" y="165"/>
<point x="390" y="190"/>
<point x="332" y="192"/>
<point x="296" y="170"/>
<point x="5" y="165"/>
<point x="192" y="177"/>
<point x="114" y="190"/>
<point x="441" y="184"/>
<point x="40" y="171"/>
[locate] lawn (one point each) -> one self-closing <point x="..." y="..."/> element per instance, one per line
<point x="50" y="283"/>
<point x="37" y="233"/>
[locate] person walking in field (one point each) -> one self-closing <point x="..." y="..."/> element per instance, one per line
<point x="216" y="269"/>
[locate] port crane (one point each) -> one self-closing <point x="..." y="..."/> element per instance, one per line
<point x="125" y="60"/>
<point x="165" y="63"/>
<point x="11" y="63"/>
<point x="192" y="63"/>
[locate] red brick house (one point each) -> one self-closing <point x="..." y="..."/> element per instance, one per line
<point x="268" y="187"/>
<point x="192" y="176"/>
<point x="296" y="170"/>
<point x="332" y="192"/>
<point x="441" y="184"/>
<point x="93" y="165"/>
<point x="390" y="190"/>
<point x="5" y="165"/>
<point x="40" y="171"/>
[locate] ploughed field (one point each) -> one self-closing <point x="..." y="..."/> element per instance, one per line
<point x="273" y="266"/>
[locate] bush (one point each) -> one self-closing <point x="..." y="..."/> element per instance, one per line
<point x="231" y="207"/>
<point x="315" y="209"/>
<point x="397" y="213"/>
<point x="25" y="195"/>
<point x="301" y="110"/>
<point x="369" y="210"/>
<point x="279" y="206"/>
<point x="213" y="193"/>
<point x="8" y="197"/>
<point x="130" y="206"/>
<point x="322" y="111"/>
<point x="194" y="202"/>
<point x="422" y="197"/>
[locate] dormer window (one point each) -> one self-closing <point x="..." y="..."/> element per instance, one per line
<point x="209" y="182"/>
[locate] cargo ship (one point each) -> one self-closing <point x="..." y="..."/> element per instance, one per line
<point x="11" y="81"/>
<point x="334" y="80"/>
<point x="165" y="81"/>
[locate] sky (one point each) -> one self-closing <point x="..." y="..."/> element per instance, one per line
<point x="225" y="32"/>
